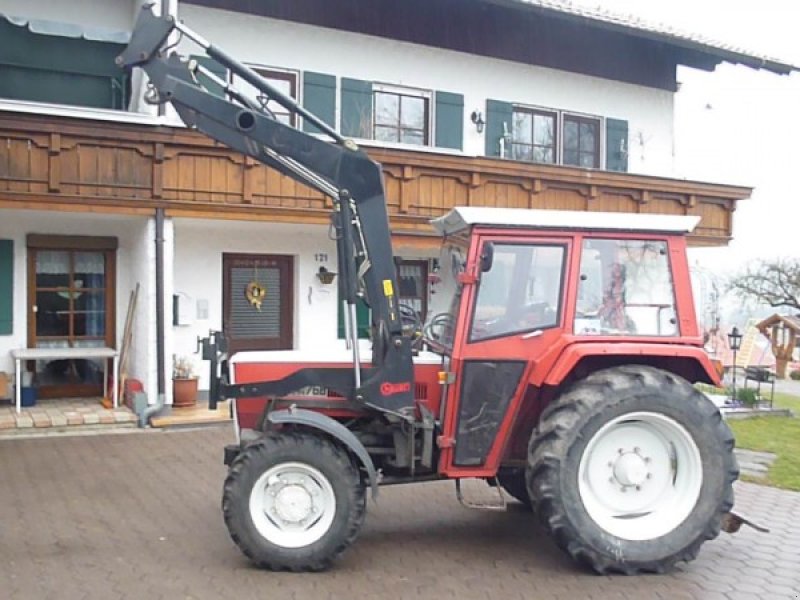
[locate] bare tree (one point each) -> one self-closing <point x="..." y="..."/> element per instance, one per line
<point x="773" y="282"/>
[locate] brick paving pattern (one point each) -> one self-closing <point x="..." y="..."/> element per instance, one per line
<point x="137" y="516"/>
<point x="64" y="414"/>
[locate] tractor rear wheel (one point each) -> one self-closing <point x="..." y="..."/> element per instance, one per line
<point x="293" y="501"/>
<point x="631" y="470"/>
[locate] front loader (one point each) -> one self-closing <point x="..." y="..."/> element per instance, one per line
<point x="561" y="373"/>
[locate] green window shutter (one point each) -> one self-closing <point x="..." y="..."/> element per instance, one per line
<point x="449" y="120"/>
<point x="497" y="114"/>
<point x="356" y="108"/>
<point x="217" y="69"/>
<point x="362" y="319"/>
<point x="319" y="98"/>
<point x="616" y="145"/>
<point x="61" y="70"/>
<point x="6" y="287"/>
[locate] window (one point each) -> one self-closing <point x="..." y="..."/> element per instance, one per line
<point x="550" y="136"/>
<point x="71" y="299"/>
<point x="521" y="292"/>
<point x="533" y="136"/>
<point x="401" y="117"/>
<point x="412" y="283"/>
<point x="581" y="141"/>
<point x="625" y="289"/>
<point x="283" y="81"/>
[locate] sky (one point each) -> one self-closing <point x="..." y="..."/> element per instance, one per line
<point x="737" y="125"/>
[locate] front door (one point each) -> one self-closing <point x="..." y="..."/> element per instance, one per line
<point x="508" y="319"/>
<point x="71" y="297"/>
<point x="258" y="301"/>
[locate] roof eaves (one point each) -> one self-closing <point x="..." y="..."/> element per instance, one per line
<point x="634" y="25"/>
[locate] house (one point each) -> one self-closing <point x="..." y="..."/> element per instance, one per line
<point x="519" y="103"/>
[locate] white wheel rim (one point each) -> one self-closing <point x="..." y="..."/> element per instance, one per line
<point x="640" y="476"/>
<point x="292" y="505"/>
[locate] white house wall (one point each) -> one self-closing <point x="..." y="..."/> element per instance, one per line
<point x="142" y="261"/>
<point x="17" y="224"/>
<point x="197" y="276"/>
<point x="274" y="43"/>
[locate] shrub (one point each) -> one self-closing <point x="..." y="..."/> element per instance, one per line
<point x="795" y="375"/>
<point x="747" y="396"/>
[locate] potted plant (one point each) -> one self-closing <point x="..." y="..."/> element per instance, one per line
<point x="184" y="383"/>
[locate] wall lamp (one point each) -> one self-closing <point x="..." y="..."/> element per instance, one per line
<point x="477" y="118"/>
<point x="325" y="277"/>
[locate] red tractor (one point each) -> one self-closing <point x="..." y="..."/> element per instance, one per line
<point x="559" y="368"/>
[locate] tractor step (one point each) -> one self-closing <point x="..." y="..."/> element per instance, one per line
<point x="499" y="506"/>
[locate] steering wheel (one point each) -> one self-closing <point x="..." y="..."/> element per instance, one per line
<point x="440" y="327"/>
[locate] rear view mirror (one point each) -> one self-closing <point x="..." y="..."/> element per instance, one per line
<point x="487" y="257"/>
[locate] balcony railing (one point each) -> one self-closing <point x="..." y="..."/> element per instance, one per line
<point x="62" y="163"/>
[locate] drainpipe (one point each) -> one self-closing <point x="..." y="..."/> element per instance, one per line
<point x="153" y="410"/>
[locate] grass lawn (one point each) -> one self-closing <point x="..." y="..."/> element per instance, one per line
<point x="779" y="435"/>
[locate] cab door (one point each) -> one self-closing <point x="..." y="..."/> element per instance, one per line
<point x="512" y="311"/>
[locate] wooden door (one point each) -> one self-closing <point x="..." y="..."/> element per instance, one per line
<point x="258" y="301"/>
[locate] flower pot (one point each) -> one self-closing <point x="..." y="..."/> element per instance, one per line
<point x="184" y="392"/>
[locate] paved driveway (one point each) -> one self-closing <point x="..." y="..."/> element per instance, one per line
<point x="137" y="516"/>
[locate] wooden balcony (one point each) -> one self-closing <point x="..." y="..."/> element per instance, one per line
<point x="68" y="164"/>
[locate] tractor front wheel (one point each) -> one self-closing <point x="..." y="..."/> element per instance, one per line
<point x="631" y="470"/>
<point x="293" y="501"/>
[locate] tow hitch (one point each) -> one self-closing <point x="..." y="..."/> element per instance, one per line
<point x="732" y="522"/>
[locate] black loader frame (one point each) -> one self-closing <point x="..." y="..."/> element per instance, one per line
<point x="330" y="164"/>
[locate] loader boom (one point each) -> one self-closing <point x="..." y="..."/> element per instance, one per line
<point x="330" y="164"/>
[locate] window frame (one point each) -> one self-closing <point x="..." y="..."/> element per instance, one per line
<point x="670" y="271"/>
<point x="561" y="116"/>
<point x="422" y="295"/>
<point x="288" y="75"/>
<point x="72" y="244"/>
<point x="560" y="309"/>
<point x="534" y="112"/>
<point x="586" y="120"/>
<point x="410" y="92"/>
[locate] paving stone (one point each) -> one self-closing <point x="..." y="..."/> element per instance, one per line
<point x="137" y="516"/>
<point x="58" y="420"/>
<point x="24" y="421"/>
<point x="91" y="418"/>
<point x="41" y="420"/>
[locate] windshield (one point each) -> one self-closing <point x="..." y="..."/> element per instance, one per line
<point x="440" y="326"/>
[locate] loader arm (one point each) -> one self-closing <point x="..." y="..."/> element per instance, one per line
<point x="330" y="164"/>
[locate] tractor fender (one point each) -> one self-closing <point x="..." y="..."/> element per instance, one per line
<point x="321" y="422"/>
<point x="575" y="353"/>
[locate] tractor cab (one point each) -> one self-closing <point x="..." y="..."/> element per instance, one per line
<point x="530" y="298"/>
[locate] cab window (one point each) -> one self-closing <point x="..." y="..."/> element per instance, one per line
<point x="625" y="289"/>
<point x="520" y="292"/>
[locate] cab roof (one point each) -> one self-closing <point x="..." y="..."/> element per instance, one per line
<point x="463" y="217"/>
